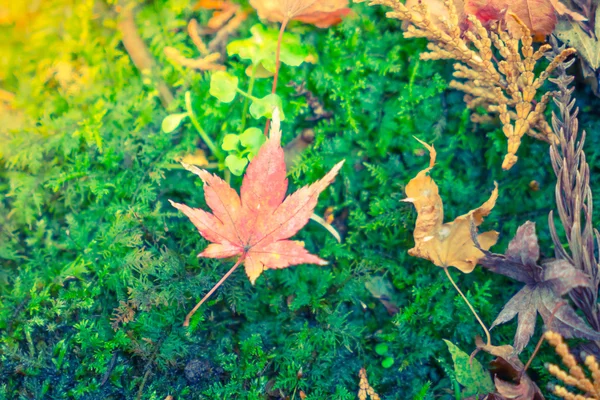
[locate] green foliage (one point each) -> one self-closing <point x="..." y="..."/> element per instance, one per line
<point x="98" y="271"/>
<point x="261" y="48"/>
<point x="223" y="86"/>
<point x="470" y="373"/>
<point x="242" y="148"/>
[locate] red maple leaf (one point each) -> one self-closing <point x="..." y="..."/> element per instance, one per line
<point x="256" y="224"/>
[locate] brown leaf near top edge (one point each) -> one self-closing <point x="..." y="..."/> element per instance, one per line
<point x="538" y="15"/>
<point x="507" y="369"/>
<point x="448" y="244"/>
<point x="542" y="294"/>
<point x="321" y="13"/>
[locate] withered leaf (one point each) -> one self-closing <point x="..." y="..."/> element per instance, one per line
<point x="509" y="379"/>
<point x="382" y="289"/>
<point x="446" y="244"/>
<point x="586" y="44"/>
<point x="538" y="15"/>
<point x="545" y="285"/>
<point x="321" y="13"/>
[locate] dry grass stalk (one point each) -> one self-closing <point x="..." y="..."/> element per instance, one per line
<point x="506" y="87"/>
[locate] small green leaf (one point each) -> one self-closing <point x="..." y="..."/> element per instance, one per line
<point x="262" y="46"/>
<point x="252" y="139"/>
<point x="387" y="362"/>
<point x="381" y="349"/>
<point x="472" y="376"/>
<point x="230" y="142"/>
<point x="223" y="86"/>
<point x="171" y="122"/>
<point x="264" y="107"/>
<point x="236" y="164"/>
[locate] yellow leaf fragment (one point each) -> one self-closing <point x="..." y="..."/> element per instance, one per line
<point x="198" y="158"/>
<point x="446" y="244"/>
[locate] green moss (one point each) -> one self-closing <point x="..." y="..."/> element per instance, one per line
<point x="87" y="234"/>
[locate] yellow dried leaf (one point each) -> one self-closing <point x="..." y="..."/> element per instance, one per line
<point x="198" y="158"/>
<point x="446" y="244"/>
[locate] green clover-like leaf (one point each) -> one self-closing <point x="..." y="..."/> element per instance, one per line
<point x="262" y="46"/>
<point x="223" y="86"/>
<point x="171" y="122"/>
<point x="236" y="164"/>
<point x="252" y="139"/>
<point x="472" y="376"/>
<point x="230" y="142"/>
<point x="264" y="107"/>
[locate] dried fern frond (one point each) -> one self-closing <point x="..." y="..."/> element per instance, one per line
<point x="506" y="87"/>
<point x="207" y="62"/>
<point x="364" y="387"/>
<point x="575" y="377"/>
<point x="574" y="201"/>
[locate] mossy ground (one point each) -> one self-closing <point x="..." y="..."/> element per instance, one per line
<point x="85" y="226"/>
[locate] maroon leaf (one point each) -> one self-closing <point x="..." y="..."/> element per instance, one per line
<point x="544" y="286"/>
<point x="510" y="380"/>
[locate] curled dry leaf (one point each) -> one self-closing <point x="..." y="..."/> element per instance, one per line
<point x="509" y="378"/>
<point x="255" y="225"/>
<point x="545" y="285"/>
<point x="446" y="244"/>
<point x="321" y="13"/>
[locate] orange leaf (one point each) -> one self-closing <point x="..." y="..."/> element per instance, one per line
<point x="446" y="244"/>
<point x="209" y="5"/>
<point x="256" y="224"/>
<point x="321" y="13"/>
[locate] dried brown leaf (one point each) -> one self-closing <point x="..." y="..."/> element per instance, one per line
<point x="545" y="285"/>
<point x="510" y="380"/>
<point x="446" y="244"/>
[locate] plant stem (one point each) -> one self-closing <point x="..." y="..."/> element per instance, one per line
<point x="141" y="389"/>
<point x="539" y="343"/>
<point x="487" y="333"/>
<point x="196" y="123"/>
<point x="277" y="65"/>
<point x="247" y="100"/>
<point x="278" y="55"/>
<point x="246" y="95"/>
<point x="223" y="279"/>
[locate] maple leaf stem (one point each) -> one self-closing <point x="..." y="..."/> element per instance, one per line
<point x="487" y="332"/>
<point x="223" y="279"/>
<point x="278" y="55"/>
<point x="539" y="343"/>
<point x="277" y="65"/>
